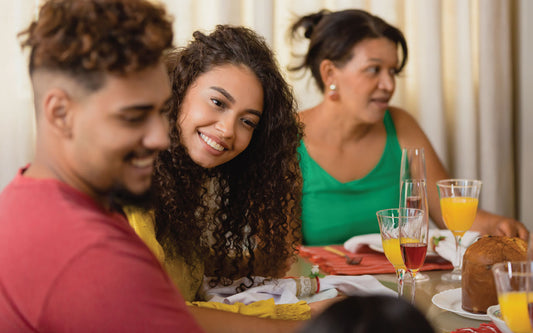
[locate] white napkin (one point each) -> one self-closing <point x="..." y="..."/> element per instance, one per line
<point x="446" y="247"/>
<point x="284" y="290"/>
<point x="353" y="243"/>
<point x="355" y="285"/>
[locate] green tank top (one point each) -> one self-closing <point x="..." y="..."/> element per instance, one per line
<point x="332" y="211"/>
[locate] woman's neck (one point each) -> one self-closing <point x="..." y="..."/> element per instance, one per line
<point x="334" y="125"/>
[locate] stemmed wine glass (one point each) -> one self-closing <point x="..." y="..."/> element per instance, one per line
<point x="458" y="203"/>
<point x="389" y="226"/>
<point x="413" y="188"/>
<point x="413" y="241"/>
<point x="388" y="220"/>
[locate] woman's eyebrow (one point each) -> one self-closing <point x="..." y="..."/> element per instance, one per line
<point x="224" y="92"/>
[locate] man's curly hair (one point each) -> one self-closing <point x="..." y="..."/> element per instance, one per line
<point x="88" y="38"/>
<point x="255" y="226"/>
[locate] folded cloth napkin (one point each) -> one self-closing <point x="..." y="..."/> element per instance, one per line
<point x="353" y="244"/>
<point x="292" y="290"/>
<point x="355" y="285"/>
<point x="446" y="246"/>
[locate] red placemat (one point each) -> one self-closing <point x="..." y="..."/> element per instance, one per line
<point x="373" y="262"/>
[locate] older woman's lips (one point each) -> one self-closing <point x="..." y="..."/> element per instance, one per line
<point x="381" y="102"/>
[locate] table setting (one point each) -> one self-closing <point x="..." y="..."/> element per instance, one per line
<point x="406" y="246"/>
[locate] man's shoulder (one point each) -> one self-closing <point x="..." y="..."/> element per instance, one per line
<point x="49" y="221"/>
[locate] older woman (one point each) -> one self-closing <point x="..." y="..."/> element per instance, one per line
<point x="351" y="151"/>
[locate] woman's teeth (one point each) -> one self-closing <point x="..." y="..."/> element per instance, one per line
<point x="211" y="143"/>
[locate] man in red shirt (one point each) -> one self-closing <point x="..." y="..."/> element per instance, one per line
<point x="69" y="262"/>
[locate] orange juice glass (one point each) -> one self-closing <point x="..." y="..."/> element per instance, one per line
<point x="458" y="202"/>
<point x="389" y="226"/>
<point x="513" y="306"/>
<point x="512" y="280"/>
<point x="458" y="213"/>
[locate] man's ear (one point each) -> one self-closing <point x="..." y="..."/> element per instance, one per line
<point x="58" y="112"/>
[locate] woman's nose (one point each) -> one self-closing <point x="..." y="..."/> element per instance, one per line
<point x="386" y="82"/>
<point x="226" y="126"/>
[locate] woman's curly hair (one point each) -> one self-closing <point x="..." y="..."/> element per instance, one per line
<point x="251" y="226"/>
<point x="88" y="38"/>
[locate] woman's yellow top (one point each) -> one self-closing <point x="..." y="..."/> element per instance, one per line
<point x="189" y="279"/>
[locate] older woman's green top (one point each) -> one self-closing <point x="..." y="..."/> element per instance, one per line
<point x="332" y="211"/>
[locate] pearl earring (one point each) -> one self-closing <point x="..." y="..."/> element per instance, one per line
<point x="332" y="93"/>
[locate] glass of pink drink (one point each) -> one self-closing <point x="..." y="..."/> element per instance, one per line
<point x="413" y="242"/>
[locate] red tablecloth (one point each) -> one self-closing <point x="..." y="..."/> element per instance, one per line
<point x="373" y="262"/>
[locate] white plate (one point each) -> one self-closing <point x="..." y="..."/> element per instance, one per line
<point x="379" y="248"/>
<point x="450" y="300"/>
<point x="496" y="316"/>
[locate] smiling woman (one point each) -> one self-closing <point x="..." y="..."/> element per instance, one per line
<point x="220" y="113"/>
<point x="227" y="191"/>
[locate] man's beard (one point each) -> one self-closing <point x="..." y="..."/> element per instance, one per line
<point x="120" y="196"/>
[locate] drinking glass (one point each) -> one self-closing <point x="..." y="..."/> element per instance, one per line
<point x="511" y="279"/>
<point x="389" y="226"/>
<point x="458" y="203"/>
<point x="529" y="285"/>
<point x="413" y="188"/>
<point x="413" y="165"/>
<point x="413" y="242"/>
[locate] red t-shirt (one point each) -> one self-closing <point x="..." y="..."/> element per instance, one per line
<point x="67" y="265"/>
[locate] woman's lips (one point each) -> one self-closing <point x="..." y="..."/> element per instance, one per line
<point x="212" y="143"/>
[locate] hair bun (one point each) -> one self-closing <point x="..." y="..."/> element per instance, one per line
<point x="310" y="21"/>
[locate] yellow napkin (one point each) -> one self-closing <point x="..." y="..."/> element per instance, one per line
<point x="263" y="309"/>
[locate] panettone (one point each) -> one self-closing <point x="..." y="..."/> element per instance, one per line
<point x="478" y="289"/>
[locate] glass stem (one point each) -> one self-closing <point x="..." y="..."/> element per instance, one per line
<point x="458" y="256"/>
<point x="399" y="277"/>
<point x="413" y="287"/>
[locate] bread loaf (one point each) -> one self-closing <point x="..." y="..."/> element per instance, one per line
<point x="478" y="288"/>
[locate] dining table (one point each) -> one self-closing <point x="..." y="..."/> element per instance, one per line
<point x="443" y="321"/>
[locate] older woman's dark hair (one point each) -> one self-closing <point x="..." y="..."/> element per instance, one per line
<point x="370" y="314"/>
<point x="255" y="197"/>
<point x="333" y="35"/>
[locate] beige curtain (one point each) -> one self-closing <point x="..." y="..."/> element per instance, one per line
<point x="16" y="113"/>
<point x="468" y="81"/>
<point x="523" y="97"/>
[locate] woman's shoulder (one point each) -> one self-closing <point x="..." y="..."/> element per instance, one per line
<point x="407" y="128"/>
<point x="401" y="116"/>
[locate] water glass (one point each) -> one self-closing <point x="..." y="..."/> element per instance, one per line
<point x="512" y="279"/>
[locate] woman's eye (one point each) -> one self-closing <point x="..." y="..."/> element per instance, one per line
<point x="217" y="102"/>
<point x="374" y="69"/>
<point x="249" y="123"/>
